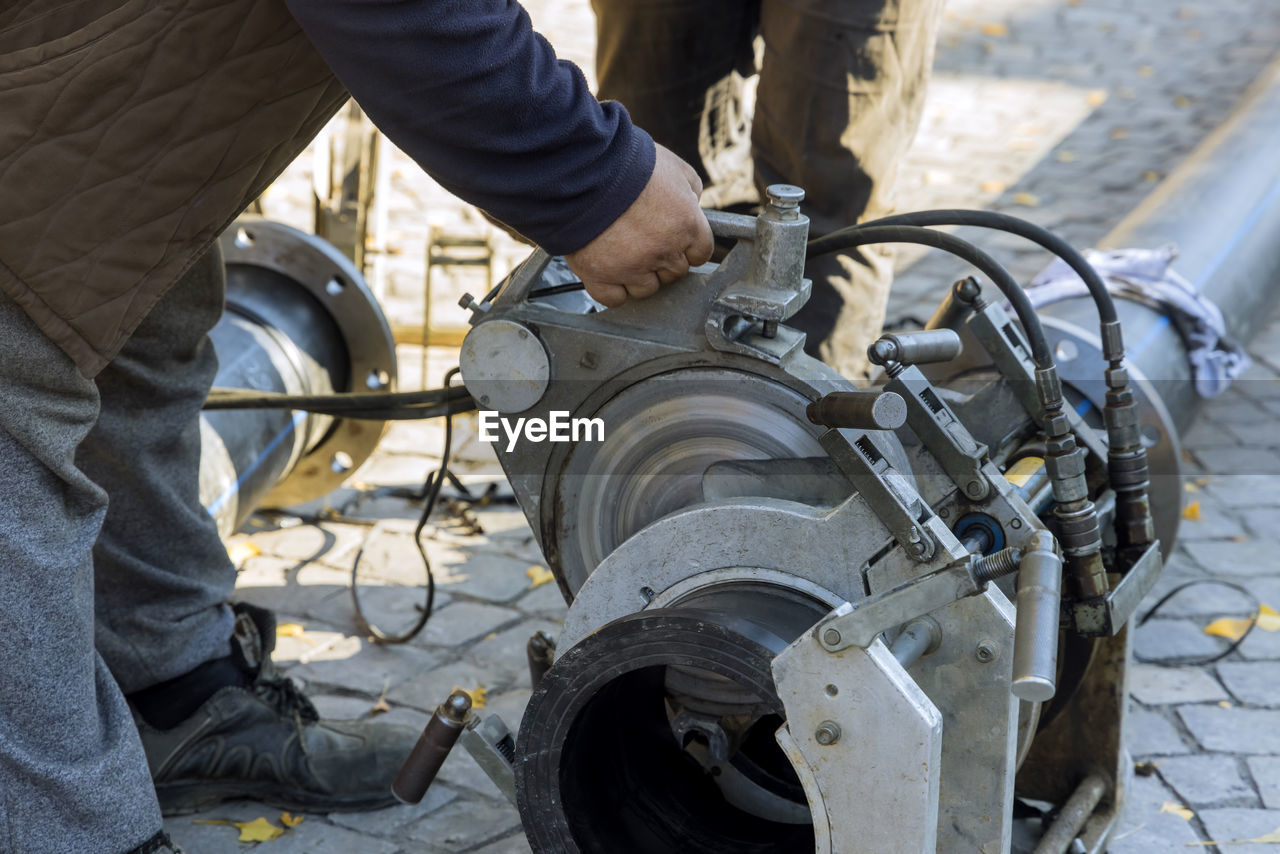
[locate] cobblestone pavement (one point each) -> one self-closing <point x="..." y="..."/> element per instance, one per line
<point x="1063" y="112"/>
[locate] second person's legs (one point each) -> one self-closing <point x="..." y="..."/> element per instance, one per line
<point x="841" y="90"/>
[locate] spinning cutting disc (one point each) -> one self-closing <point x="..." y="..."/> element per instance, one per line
<point x="661" y="434"/>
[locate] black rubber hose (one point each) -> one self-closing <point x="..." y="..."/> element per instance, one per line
<point x="378" y="406"/>
<point x="1036" y="234"/>
<point x="862" y="235"/>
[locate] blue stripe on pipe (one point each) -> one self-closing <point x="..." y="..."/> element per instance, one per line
<point x="1250" y="221"/>
<point x="298" y="418"/>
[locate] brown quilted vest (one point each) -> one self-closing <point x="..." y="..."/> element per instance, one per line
<point x="131" y="133"/>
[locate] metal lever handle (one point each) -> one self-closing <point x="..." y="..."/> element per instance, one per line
<point x="1035" y="638"/>
<point x="433" y="748"/>
<point x="861" y="410"/>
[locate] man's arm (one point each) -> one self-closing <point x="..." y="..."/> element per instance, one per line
<point x="470" y="92"/>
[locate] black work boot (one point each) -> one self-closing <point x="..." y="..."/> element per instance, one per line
<point x="264" y="740"/>
<point x="158" y="844"/>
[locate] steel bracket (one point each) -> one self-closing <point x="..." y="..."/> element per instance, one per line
<point x="860" y="623"/>
<point x="1106" y="615"/>
<point x="929" y="417"/>
<point x="898" y="505"/>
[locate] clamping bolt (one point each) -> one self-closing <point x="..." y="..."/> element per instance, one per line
<point x="433" y="747"/>
<point x="915" y="348"/>
<point x="860" y="410"/>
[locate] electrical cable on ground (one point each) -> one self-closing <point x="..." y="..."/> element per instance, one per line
<point x="431" y="489"/>
<point x="1180" y="661"/>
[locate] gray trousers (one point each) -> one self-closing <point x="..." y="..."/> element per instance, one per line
<point x="115" y="578"/>
<point x="838" y="102"/>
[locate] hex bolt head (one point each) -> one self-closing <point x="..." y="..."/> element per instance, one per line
<point x="827" y="733"/>
<point x="975" y="488"/>
<point x="986" y="652"/>
<point x="1015" y="523"/>
<point x="784" y="196"/>
<point x="831" y="637"/>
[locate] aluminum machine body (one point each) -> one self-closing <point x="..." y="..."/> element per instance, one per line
<point x="808" y="616"/>
<point x="804" y="616"/>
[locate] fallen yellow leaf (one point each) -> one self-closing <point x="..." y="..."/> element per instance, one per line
<point x="1096" y="98"/>
<point x="1268" y="619"/>
<point x="1146" y="71"/>
<point x="1177" y="809"/>
<point x="1272" y="837"/>
<point x="1151" y="176"/>
<point x="479" y="695"/>
<point x="289" y="630"/>
<point x="995" y="30"/>
<point x="1182" y="102"/>
<point x="992" y="186"/>
<point x="1066" y="156"/>
<point x="1229" y="628"/>
<point x="258" y="830"/>
<point x="1191" y="512"/>
<point x="1027" y="200"/>
<point x="1224" y="704"/>
<point x="539" y="575"/>
<point x="1119" y="133"/>
<point x="241" y="552"/>
<point x="290" y="820"/>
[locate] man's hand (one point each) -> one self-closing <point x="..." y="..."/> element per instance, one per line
<point x="653" y="243"/>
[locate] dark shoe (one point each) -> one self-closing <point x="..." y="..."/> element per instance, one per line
<point x="266" y="742"/>
<point x="158" y="844"/>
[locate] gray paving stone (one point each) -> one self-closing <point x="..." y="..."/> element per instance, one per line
<point x="1266" y="775"/>
<point x="1144" y="827"/>
<point x="1233" y="730"/>
<point x="1261" y="645"/>
<point x="427" y="690"/>
<point x="390" y="821"/>
<point x="511" y="845"/>
<point x="287" y="586"/>
<point x="1162" y="639"/>
<point x="1262" y="522"/>
<point x="1230" y="558"/>
<point x="1231" y="824"/>
<point x="360" y="665"/>
<point x="1256" y="683"/>
<point x="1244" y="490"/>
<point x="1154" y="685"/>
<point x="392" y="608"/>
<point x="462" y="622"/>
<point x="463" y="826"/>
<point x="1207" y="780"/>
<point x="1148" y="733"/>
<point x="316" y="836"/>
<point x="1207" y="433"/>
<point x="544" y="601"/>
<point x="504" y="652"/>
<point x="1216" y="522"/>
<point x="509" y="706"/>
<point x="489" y="576"/>
<point x="323" y="542"/>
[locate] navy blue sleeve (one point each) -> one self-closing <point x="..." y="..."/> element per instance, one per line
<point x="478" y="99"/>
